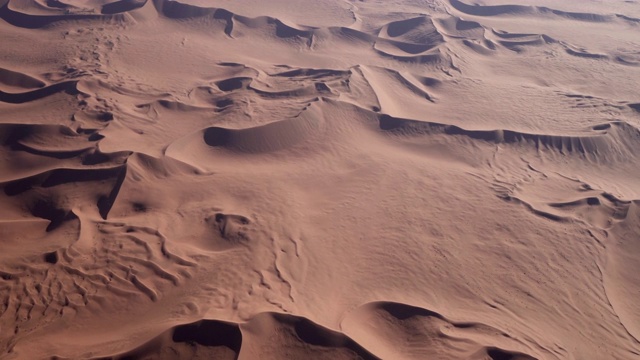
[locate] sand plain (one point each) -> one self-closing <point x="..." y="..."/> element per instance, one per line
<point x="332" y="179"/>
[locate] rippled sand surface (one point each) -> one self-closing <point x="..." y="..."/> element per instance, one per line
<point x="331" y="179"/>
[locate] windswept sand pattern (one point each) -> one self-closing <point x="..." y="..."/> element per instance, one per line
<point x="331" y="179"/>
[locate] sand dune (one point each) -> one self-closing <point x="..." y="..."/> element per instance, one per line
<point x="404" y="331"/>
<point x="335" y="179"/>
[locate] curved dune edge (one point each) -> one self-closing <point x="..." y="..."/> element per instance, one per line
<point x="14" y="79"/>
<point x="68" y="87"/>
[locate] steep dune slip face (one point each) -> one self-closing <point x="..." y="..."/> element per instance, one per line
<point x="335" y="179"/>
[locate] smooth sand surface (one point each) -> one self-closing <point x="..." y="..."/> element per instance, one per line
<point x="334" y="179"/>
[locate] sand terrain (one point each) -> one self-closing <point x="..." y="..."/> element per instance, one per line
<point x="331" y="179"/>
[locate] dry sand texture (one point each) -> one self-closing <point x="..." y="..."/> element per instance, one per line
<point x="331" y="179"/>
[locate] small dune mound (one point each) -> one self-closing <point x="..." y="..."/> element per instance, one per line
<point x="409" y="52"/>
<point x="409" y="39"/>
<point x="596" y="209"/>
<point x="141" y="166"/>
<point x="402" y="49"/>
<point x="419" y="86"/>
<point x="495" y="353"/>
<point x="582" y="52"/>
<point x="209" y="333"/>
<point x="313" y="74"/>
<point x="178" y="10"/>
<point x="484" y="47"/>
<point x="204" y="339"/>
<point x="600" y="211"/>
<point x="226" y="231"/>
<point x="348" y="35"/>
<point x="419" y="30"/>
<point x="266" y="138"/>
<point x="55" y="4"/>
<point x="56" y="142"/>
<point x="309" y="91"/>
<point x="294" y="135"/>
<point x="281" y="29"/>
<point x="233" y="84"/>
<point x="284" y="30"/>
<point x="399" y="331"/>
<point x="271" y="137"/>
<point x="175" y="105"/>
<point x="122" y="6"/>
<point x="627" y="60"/>
<point x="264" y="336"/>
<point x="588" y="17"/>
<point x="517" y="42"/>
<point x="520" y="10"/>
<point x="268" y="334"/>
<point x="454" y="26"/>
<point x="13" y="80"/>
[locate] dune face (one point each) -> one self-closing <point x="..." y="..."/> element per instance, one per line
<point x="335" y="179"/>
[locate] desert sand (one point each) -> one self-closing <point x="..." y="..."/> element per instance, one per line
<point x="327" y="179"/>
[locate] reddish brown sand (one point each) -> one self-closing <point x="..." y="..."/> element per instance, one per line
<point x="326" y="179"/>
